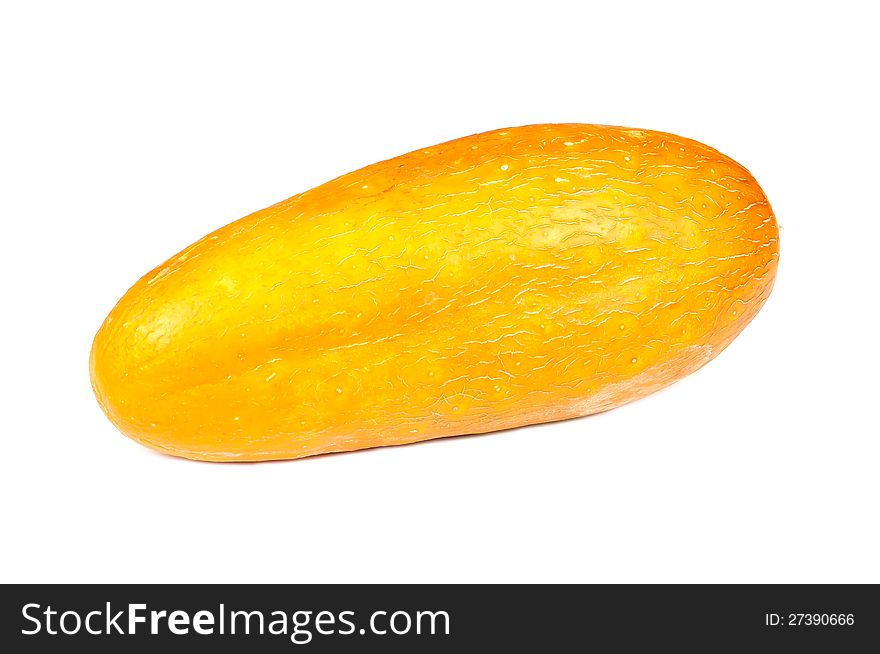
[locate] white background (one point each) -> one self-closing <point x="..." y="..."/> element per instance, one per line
<point x="130" y="130"/>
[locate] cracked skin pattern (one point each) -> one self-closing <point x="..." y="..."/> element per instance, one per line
<point x="518" y="276"/>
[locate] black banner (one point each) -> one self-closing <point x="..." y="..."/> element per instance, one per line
<point x="442" y="618"/>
